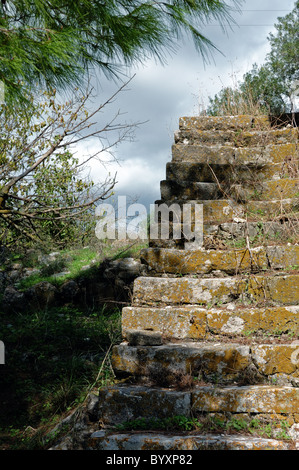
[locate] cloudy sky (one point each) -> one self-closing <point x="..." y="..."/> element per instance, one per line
<point x="159" y="95"/>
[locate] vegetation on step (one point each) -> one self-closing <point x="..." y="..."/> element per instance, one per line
<point x="209" y="424"/>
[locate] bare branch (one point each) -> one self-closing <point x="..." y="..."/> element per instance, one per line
<point x="43" y="184"/>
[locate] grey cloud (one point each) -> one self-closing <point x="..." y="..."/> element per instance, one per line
<point x="161" y="95"/>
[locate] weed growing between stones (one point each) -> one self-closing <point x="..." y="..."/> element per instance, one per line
<point x="258" y="227"/>
<point x="212" y="424"/>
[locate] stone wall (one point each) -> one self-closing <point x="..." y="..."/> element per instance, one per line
<point x="110" y="284"/>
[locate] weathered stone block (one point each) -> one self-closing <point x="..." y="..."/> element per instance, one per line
<point x="264" y="230"/>
<point x="260" y="231"/>
<point x="193" y="322"/>
<point x="214" y="211"/>
<point x="224" y="123"/>
<point x="243" y="138"/>
<point x="277" y="359"/>
<point x="282" y="289"/>
<point x="228" y="155"/>
<point x="177" y="322"/>
<point x="249" y="320"/>
<point x="197" y="172"/>
<point x="224" y="362"/>
<point x="204" y="261"/>
<point x="248" y="399"/>
<point x="229" y="261"/>
<point x="281" y="257"/>
<point x="283" y="188"/>
<point x="123" y="403"/>
<point x="222" y="211"/>
<point x="253" y="189"/>
<point x="171" y="190"/>
<point x="102" y="440"/>
<point x="153" y="291"/>
<point x="223" y="173"/>
<point x="143" y="337"/>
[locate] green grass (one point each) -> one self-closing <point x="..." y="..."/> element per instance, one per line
<point x="210" y="424"/>
<point x="55" y="356"/>
<point x="52" y="358"/>
<point x="173" y="423"/>
<point x="73" y="261"/>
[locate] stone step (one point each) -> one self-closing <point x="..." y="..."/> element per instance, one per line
<point x="230" y="234"/>
<point x="224" y="123"/>
<point x="226" y="210"/>
<point x="278" y="208"/>
<point x="252" y="289"/>
<point x="283" y="188"/>
<point x="265" y="230"/>
<point x="153" y="441"/>
<point x="121" y="403"/>
<point x="231" y="173"/>
<point x="173" y="364"/>
<point x="263" y="399"/>
<point x="237" y="138"/>
<point x="171" y="190"/>
<point x="199" y="323"/>
<point x="201" y="261"/>
<point x="221" y="210"/>
<point x="285" y="154"/>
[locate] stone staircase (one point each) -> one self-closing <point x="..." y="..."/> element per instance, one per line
<point x="210" y="357"/>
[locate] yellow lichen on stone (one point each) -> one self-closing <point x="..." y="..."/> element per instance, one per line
<point x="283" y="188"/>
<point x="283" y="289"/>
<point x="238" y="138"/>
<point x="226" y="155"/>
<point x="249" y="399"/>
<point x="184" y="290"/>
<point x="269" y="210"/>
<point x="205" y="261"/>
<point x="195" y="322"/>
<point x="249" y="320"/>
<point x="277" y="359"/>
<point x="224" y="122"/>
<point x="177" y="322"/>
